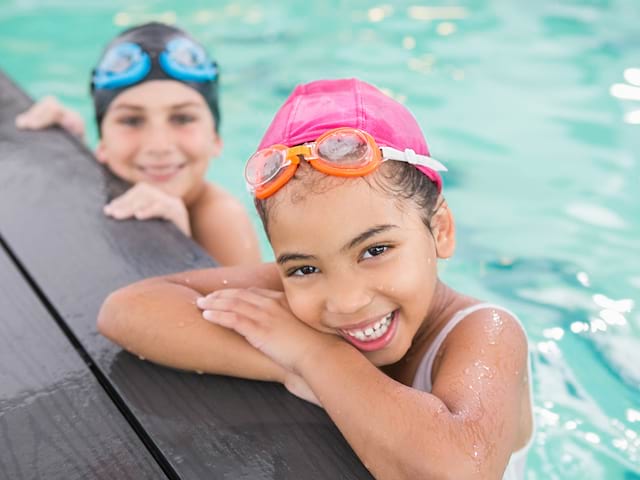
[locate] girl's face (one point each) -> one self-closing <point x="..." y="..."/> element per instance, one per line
<point x="160" y="132"/>
<point x="356" y="263"/>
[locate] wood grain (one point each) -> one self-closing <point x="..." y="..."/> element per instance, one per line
<point x="56" y="421"/>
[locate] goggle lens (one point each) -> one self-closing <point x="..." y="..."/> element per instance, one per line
<point x="121" y="58"/>
<point x="344" y="149"/>
<point x="264" y="166"/>
<point x="128" y="63"/>
<point x="186" y="60"/>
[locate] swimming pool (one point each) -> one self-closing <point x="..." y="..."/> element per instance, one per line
<point x="533" y="107"/>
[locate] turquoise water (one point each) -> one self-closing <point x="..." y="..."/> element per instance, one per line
<point x="534" y="106"/>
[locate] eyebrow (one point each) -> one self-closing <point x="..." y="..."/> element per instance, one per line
<point x="290" y="257"/>
<point x="360" y="238"/>
<point x="177" y="106"/>
<point x="125" y="106"/>
<point x="185" y="104"/>
<point x="366" y="235"/>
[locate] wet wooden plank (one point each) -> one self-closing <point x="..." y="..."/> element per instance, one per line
<point x="56" y="421"/>
<point x="51" y="196"/>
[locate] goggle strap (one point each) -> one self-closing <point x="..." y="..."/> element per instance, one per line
<point x="409" y="156"/>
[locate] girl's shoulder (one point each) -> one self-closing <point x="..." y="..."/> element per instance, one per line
<point x="486" y="324"/>
<point x="481" y="335"/>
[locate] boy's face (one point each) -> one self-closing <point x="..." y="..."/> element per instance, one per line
<point x="356" y="263"/>
<point x="160" y="132"/>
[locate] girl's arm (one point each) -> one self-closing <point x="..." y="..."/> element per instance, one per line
<point x="466" y="428"/>
<point x="157" y="319"/>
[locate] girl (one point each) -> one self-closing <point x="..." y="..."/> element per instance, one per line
<point x="423" y="381"/>
<point x="155" y="92"/>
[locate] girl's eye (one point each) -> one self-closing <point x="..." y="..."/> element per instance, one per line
<point x="375" y="251"/>
<point x="131" y="121"/>
<point x="182" y="119"/>
<point x="302" y="271"/>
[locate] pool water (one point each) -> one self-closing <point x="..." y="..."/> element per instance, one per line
<point x="534" y="106"/>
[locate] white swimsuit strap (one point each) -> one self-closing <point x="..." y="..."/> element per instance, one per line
<point x="422" y="380"/>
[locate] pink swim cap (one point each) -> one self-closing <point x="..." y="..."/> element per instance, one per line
<point x="316" y="107"/>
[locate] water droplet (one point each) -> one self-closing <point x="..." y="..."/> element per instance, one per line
<point x="225" y="282"/>
<point x="199" y="372"/>
<point x="141" y="357"/>
<point x="495" y="328"/>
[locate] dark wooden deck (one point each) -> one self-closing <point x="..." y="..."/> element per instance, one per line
<point x="75" y="406"/>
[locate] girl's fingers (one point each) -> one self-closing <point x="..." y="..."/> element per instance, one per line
<point x="260" y="298"/>
<point x="241" y="324"/>
<point x="237" y="306"/>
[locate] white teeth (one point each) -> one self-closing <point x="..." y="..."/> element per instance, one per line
<point x="372" y="332"/>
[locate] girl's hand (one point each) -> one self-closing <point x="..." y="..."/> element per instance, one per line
<point x="144" y="201"/>
<point x="299" y="387"/>
<point x="49" y="112"/>
<point x="264" y="319"/>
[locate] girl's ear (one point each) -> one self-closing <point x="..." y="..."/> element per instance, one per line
<point x="444" y="230"/>
<point x="101" y="152"/>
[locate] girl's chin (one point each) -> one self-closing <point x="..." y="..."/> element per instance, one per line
<point x="383" y="358"/>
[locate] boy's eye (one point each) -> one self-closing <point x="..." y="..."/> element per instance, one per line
<point x="131" y="121"/>
<point x="182" y="119"/>
<point x="375" y="251"/>
<point x="302" y="271"/>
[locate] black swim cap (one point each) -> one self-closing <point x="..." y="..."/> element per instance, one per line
<point x="153" y="38"/>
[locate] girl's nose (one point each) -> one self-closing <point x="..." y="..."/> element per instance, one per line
<point x="347" y="295"/>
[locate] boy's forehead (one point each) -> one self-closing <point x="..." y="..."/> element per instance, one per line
<point x="158" y="94"/>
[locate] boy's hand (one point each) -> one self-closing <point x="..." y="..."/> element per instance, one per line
<point x="144" y="201"/>
<point x="48" y="112"/>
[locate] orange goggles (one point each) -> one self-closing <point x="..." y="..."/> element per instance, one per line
<point x="341" y="152"/>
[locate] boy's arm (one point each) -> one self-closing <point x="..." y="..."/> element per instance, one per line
<point x="221" y="224"/>
<point x="158" y="319"/>
<point x="48" y="112"/>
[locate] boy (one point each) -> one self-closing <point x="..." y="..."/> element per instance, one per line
<point x="156" y="105"/>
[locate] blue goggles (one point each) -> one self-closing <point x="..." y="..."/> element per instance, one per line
<point x="128" y="63"/>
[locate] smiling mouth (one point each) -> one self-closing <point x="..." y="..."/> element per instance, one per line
<point x="375" y="335"/>
<point x="160" y="173"/>
<point x="372" y="332"/>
